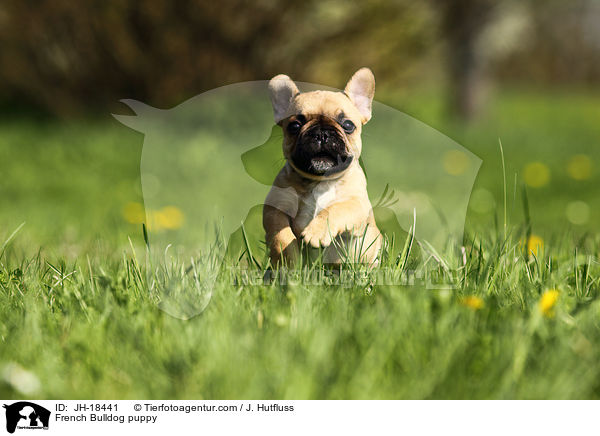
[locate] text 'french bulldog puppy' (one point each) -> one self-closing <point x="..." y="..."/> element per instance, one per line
<point x="320" y="196"/>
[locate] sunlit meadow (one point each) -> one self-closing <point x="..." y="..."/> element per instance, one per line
<point x="519" y="317"/>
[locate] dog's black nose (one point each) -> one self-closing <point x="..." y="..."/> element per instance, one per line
<point x="320" y="136"/>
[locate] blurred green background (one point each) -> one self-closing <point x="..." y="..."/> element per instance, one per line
<point x="525" y="72"/>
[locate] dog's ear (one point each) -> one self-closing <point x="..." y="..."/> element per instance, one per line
<point x="361" y="90"/>
<point x="283" y="90"/>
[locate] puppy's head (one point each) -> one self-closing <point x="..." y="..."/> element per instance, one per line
<point x="322" y="128"/>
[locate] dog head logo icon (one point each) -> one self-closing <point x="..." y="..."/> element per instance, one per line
<point x="26" y="415"/>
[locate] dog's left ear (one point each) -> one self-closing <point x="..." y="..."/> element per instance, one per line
<point x="361" y="90"/>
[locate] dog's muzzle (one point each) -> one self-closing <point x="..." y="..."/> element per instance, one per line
<point x="321" y="151"/>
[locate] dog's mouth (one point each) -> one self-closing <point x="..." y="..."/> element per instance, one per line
<point x="324" y="163"/>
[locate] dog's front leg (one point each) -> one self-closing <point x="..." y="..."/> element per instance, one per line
<point x="280" y="238"/>
<point x="350" y="215"/>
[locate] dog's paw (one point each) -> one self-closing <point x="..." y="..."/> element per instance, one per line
<point x="318" y="233"/>
<point x="283" y="248"/>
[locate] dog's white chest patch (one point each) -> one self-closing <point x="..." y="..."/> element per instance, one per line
<point x="314" y="202"/>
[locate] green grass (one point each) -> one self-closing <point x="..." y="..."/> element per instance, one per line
<point x="79" y="314"/>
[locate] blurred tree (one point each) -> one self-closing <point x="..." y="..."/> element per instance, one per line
<point x="462" y="22"/>
<point x="563" y="45"/>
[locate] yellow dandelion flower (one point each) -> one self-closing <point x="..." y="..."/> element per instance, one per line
<point x="169" y="217"/>
<point x="579" y="167"/>
<point x="134" y="213"/>
<point x="535" y="245"/>
<point x="536" y="174"/>
<point x="547" y="302"/>
<point x="473" y="302"/>
<point x="455" y="162"/>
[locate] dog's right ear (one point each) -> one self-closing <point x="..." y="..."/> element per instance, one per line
<point x="282" y="90"/>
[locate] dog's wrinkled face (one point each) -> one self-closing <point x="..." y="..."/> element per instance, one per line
<point x="322" y="138"/>
<point x="322" y="128"/>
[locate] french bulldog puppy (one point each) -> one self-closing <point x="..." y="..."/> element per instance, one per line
<point x="320" y="196"/>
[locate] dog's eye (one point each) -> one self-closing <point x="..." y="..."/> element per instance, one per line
<point x="294" y="127"/>
<point x="348" y="126"/>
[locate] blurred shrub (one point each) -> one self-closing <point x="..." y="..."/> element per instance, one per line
<point x="65" y="56"/>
